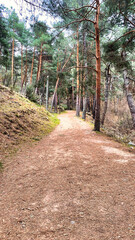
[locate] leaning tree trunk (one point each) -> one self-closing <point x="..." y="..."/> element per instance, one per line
<point x="107" y="82"/>
<point x="98" y="69"/>
<point x="56" y="86"/>
<point x="12" y="74"/>
<point x="57" y="82"/>
<point x="78" y="84"/>
<point x="32" y="66"/>
<point x="130" y="100"/>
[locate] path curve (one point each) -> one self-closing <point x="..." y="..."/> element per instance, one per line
<point x="74" y="184"/>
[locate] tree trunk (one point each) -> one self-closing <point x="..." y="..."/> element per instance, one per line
<point x="78" y="84"/>
<point x="84" y="79"/>
<point x="25" y="75"/>
<point x="26" y="69"/>
<point x="81" y="87"/>
<point x="32" y="66"/>
<point x="88" y="104"/>
<point x="55" y="91"/>
<point x="73" y="98"/>
<point x="107" y="82"/>
<point x="84" y="107"/>
<point x="94" y="106"/>
<point x="68" y="99"/>
<point x="47" y="92"/>
<point x="59" y="104"/>
<point x="43" y="94"/>
<point x="40" y="63"/>
<point x="38" y="69"/>
<point x="98" y="69"/>
<point x="21" y="64"/>
<point x="130" y="100"/>
<point x="57" y="82"/>
<point x="12" y="75"/>
<point x="55" y="103"/>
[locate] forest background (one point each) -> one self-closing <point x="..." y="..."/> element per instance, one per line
<point x="84" y="60"/>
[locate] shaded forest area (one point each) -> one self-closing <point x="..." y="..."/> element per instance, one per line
<point x="85" y="61"/>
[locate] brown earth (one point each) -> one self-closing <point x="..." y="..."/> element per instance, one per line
<point x="74" y="184"/>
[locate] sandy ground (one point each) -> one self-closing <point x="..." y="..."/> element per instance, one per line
<point x="74" y="184"/>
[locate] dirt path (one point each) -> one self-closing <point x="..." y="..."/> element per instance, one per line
<point x="73" y="185"/>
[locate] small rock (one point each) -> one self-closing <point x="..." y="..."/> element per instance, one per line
<point x="131" y="143"/>
<point x="72" y="222"/>
<point x="65" y="234"/>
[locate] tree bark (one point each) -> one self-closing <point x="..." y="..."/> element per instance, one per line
<point x="68" y="99"/>
<point x="98" y="69"/>
<point x="107" y="82"/>
<point x="40" y="63"/>
<point x="47" y="92"/>
<point x="84" y="79"/>
<point x="73" y="97"/>
<point x="78" y="84"/>
<point x="130" y="100"/>
<point x="32" y="66"/>
<point x="94" y="106"/>
<point x="12" y="74"/>
<point x="55" y="103"/>
<point x="26" y="69"/>
<point x="38" y="69"/>
<point x="21" y="64"/>
<point x="25" y="75"/>
<point x="57" y="82"/>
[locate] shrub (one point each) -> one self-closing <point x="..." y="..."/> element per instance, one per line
<point x="30" y="94"/>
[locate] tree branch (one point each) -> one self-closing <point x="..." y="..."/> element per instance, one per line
<point x="77" y="9"/>
<point x="126" y="16"/>
<point x="132" y="31"/>
<point x="34" y="5"/>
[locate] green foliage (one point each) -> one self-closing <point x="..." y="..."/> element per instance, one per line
<point x="4" y="37"/>
<point x="111" y="47"/>
<point x="63" y="107"/>
<point x="30" y="94"/>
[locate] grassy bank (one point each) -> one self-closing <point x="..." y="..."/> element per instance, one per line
<point x="21" y="121"/>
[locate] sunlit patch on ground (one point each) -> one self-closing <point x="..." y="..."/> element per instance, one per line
<point x="116" y="151"/>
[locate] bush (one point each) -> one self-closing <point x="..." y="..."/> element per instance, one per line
<point x="30" y="94"/>
<point x="63" y="107"/>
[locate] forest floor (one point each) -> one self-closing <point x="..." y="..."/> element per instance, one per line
<point x="74" y="184"/>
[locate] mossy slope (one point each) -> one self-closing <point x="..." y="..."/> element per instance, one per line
<point x="21" y="120"/>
